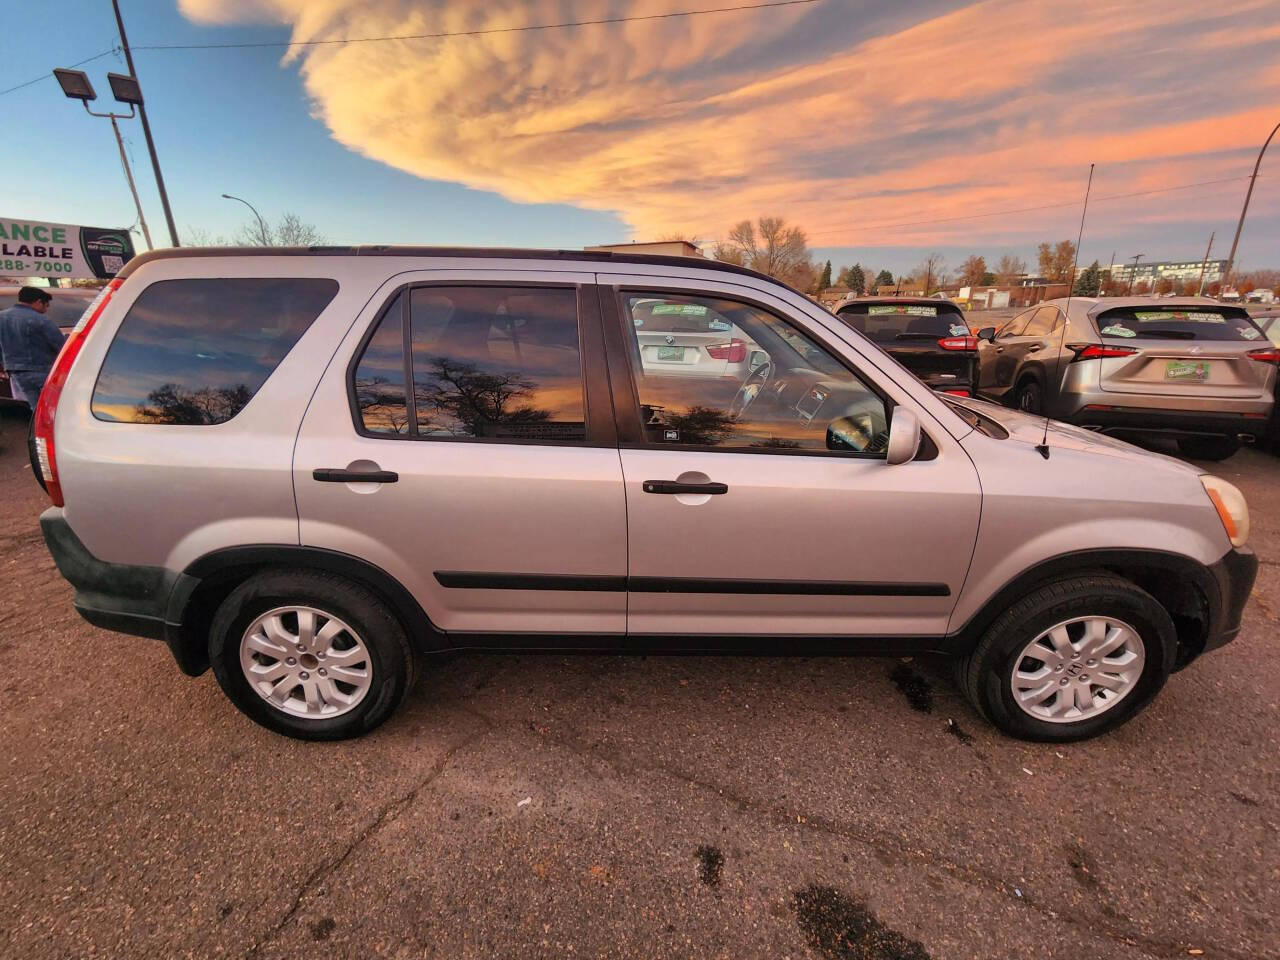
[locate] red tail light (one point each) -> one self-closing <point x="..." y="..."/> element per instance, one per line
<point x="1266" y="355"/>
<point x="957" y="393"/>
<point x="735" y="351"/>
<point x="42" y="428"/>
<point x="1092" y="351"/>
<point x="958" y="343"/>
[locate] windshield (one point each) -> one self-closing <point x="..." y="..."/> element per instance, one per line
<point x="895" y="322"/>
<point x="1177" y="323"/>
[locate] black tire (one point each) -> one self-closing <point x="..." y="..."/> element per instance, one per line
<point x="1208" y="448"/>
<point x="390" y="654"/>
<point x="985" y="673"/>
<point x="1029" y="397"/>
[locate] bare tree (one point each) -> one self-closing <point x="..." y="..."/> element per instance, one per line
<point x="929" y="273"/>
<point x="773" y="248"/>
<point x="1010" y="269"/>
<point x="200" y="237"/>
<point x="290" y="231"/>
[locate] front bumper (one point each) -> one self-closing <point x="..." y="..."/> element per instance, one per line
<point x="1234" y="574"/>
<point x="125" y="598"/>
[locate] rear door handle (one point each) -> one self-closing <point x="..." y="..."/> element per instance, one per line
<point x="674" y="486"/>
<point x="335" y="475"/>
<point x="1035" y="347"/>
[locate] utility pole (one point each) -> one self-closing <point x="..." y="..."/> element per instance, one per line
<point x="128" y="175"/>
<point x="1231" y="257"/>
<point x="262" y="227"/>
<point x="1204" y="263"/>
<point x="146" y="130"/>
<point x="1133" y="272"/>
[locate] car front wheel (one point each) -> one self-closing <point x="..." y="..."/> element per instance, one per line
<point x="310" y="655"/>
<point x="1073" y="659"/>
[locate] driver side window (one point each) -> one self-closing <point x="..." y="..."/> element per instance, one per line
<point x="712" y="372"/>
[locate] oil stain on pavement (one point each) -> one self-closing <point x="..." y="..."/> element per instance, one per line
<point x="914" y="687"/>
<point x="710" y="865"/>
<point x="841" y="928"/>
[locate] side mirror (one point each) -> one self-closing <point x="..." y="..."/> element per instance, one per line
<point x="904" y="436"/>
<point x="988" y="334"/>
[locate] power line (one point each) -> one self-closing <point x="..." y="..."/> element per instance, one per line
<point x="480" y="32"/>
<point x="49" y="75"/>
<point x="1043" y="206"/>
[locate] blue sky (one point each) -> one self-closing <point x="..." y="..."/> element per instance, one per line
<point x="874" y="127"/>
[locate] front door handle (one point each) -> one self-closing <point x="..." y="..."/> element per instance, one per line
<point x="675" y="486"/>
<point x="335" y="475"/>
<point x="1035" y="348"/>
<point x="999" y="349"/>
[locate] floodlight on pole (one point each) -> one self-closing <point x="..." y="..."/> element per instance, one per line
<point x="125" y="88"/>
<point x="75" y="84"/>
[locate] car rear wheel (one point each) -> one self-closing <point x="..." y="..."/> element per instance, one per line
<point x="1030" y="397"/>
<point x="1073" y="659"/>
<point x="1208" y="448"/>
<point x="310" y="655"/>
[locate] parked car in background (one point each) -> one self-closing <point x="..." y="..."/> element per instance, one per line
<point x="331" y="465"/>
<point x="928" y="336"/>
<point x="1198" y="371"/>
<point x="66" y="308"/>
<point x="1269" y="323"/>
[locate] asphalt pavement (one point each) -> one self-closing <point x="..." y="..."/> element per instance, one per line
<point x="625" y="806"/>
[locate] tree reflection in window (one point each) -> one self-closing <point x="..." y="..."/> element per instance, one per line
<point x="172" y="404"/>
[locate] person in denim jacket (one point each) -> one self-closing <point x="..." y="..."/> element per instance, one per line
<point x="29" y="343"/>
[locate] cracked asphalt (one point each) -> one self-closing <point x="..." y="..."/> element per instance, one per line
<point x="624" y="807"/>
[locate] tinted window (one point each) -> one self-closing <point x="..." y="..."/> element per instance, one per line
<point x="196" y="351"/>
<point x="759" y="384"/>
<point x="1178" y="323"/>
<point x="894" y="323"/>
<point x="1015" y="326"/>
<point x="498" y="363"/>
<point x="379" y="377"/>
<point x="1043" y="323"/>
<point x="66" y="310"/>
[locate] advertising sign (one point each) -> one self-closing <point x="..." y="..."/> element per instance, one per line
<point x="37" y="248"/>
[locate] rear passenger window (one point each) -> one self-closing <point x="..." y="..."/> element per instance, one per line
<point x="1043" y="323"/>
<point x="494" y="363"/>
<point x="196" y="351"/>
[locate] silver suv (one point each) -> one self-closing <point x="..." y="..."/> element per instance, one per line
<point x="311" y="469"/>
<point x="1192" y="369"/>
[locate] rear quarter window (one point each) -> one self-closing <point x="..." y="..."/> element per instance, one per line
<point x="895" y="323"/>
<point x="1178" y="323"/>
<point x="196" y="351"/>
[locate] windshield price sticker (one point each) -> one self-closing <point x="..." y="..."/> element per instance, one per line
<point x="911" y="310"/>
<point x="1115" y="330"/>
<point x="678" y="310"/>
<point x="1185" y="316"/>
<point x="959" y="330"/>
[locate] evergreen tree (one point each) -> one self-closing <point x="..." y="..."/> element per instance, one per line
<point x="1089" y="282"/>
<point x="884" y="279"/>
<point x="825" y="280"/>
<point x="857" y="281"/>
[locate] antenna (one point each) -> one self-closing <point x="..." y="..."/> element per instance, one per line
<point x="1043" y="447"/>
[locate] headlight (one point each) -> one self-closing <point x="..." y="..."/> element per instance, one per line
<point x="1232" y="510"/>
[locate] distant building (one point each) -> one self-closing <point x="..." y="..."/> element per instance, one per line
<point x="666" y="248"/>
<point x="831" y="296"/>
<point x="1177" y="271"/>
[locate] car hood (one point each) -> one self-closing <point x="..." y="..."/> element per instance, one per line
<point x="1029" y="429"/>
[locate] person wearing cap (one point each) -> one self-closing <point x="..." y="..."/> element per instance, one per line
<point x="29" y="343"/>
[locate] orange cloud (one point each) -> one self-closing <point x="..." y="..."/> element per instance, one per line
<point x="848" y="123"/>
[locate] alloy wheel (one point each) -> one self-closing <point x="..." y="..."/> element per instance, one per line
<point x="305" y="662"/>
<point x="1078" y="669"/>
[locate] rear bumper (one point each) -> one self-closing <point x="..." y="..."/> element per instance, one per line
<point x="125" y="598"/>
<point x="1138" y="421"/>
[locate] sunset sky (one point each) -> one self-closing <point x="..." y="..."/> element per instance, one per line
<point x="886" y="130"/>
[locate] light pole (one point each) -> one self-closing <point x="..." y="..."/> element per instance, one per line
<point x="1133" y="271"/>
<point x="262" y="227"/>
<point x="1231" y="257"/>
<point x="146" y="129"/>
<point x="75" y="84"/>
